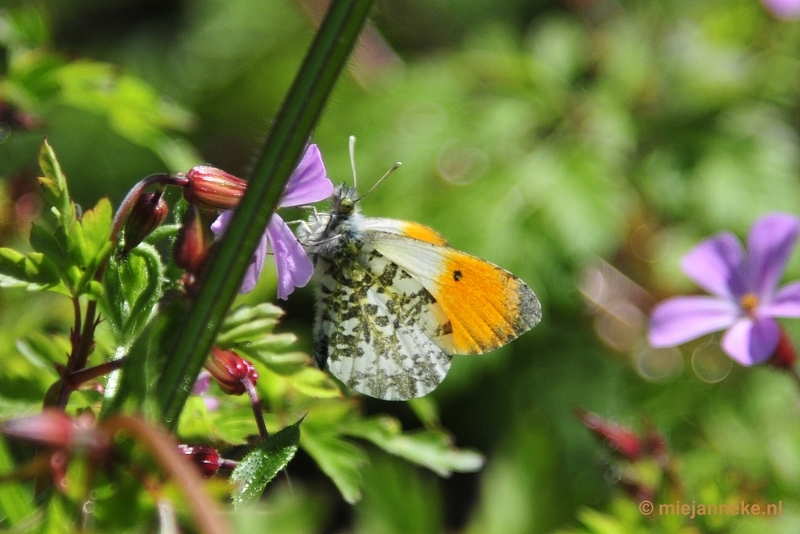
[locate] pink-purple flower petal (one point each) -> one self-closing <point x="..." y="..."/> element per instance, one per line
<point x="253" y="272"/>
<point x="772" y="240"/>
<point x="294" y="267"/>
<point x="681" y="319"/>
<point x="783" y="9"/>
<point x="256" y="265"/>
<point x="716" y="265"/>
<point x="309" y="182"/>
<point x="785" y="302"/>
<point x="751" y="341"/>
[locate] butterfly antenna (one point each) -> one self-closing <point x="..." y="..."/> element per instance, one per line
<point x="353" y="160"/>
<point x="390" y="171"/>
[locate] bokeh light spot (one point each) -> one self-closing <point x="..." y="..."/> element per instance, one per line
<point x="710" y="364"/>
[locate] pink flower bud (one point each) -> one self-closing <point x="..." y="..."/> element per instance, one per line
<point x="146" y="215"/>
<point x="209" y="187"/>
<point x="205" y="457"/>
<point x="192" y="243"/>
<point x="230" y="370"/>
<point x="56" y="429"/>
<point x="618" y="437"/>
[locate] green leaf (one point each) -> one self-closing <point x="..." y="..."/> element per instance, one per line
<point x="54" y="182"/>
<point x="43" y="350"/>
<point x="144" y="363"/>
<point x="342" y="461"/>
<point x="427" y="411"/>
<point x="246" y="323"/>
<point x="285" y="364"/>
<point x="315" y="383"/>
<point x="260" y="466"/>
<point x="132" y="288"/>
<point x="32" y="271"/>
<point x="430" y="448"/>
<point x="96" y="229"/>
<point x="16" y="503"/>
<point x="48" y="244"/>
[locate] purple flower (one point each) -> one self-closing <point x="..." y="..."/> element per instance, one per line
<point x="783" y="9"/>
<point x="743" y="285"/>
<point x="308" y="184"/>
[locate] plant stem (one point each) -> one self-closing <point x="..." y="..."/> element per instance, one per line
<point x="255" y="402"/>
<point x="195" y="333"/>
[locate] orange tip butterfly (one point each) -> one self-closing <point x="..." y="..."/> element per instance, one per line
<point x="395" y="302"/>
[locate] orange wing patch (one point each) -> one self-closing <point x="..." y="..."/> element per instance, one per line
<point x="423" y="233"/>
<point x="487" y="306"/>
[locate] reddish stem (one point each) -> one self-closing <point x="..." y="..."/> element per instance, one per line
<point x="256" y="404"/>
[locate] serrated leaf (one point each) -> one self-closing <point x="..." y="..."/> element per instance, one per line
<point x="32" y="271"/>
<point x="96" y="229"/>
<point x="48" y="244"/>
<point x="342" y="461"/>
<point x="256" y="469"/>
<point x="430" y="448"/>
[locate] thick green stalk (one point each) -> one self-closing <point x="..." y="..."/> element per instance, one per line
<point x="282" y="150"/>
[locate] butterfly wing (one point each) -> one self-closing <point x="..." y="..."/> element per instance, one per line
<point x="404" y="228"/>
<point x="487" y="306"/>
<point x="378" y="329"/>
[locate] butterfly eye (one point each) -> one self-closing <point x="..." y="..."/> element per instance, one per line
<point x="346" y="206"/>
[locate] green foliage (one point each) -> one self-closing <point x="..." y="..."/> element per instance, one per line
<point x="261" y="465"/>
<point x="539" y="136"/>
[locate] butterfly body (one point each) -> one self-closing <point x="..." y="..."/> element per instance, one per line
<point x="395" y="302"/>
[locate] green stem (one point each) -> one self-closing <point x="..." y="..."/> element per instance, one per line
<point x="283" y="147"/>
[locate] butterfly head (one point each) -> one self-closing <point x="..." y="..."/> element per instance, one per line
<point x="344" y="201"/>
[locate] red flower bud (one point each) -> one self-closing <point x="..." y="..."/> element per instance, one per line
<point x="618" y="437"/>
<point x="784" y="356"/>
<point x="230" y="370"/>
<point x="209" y="187"/>
<point x="147" y="213"/>
<point x="206" y="458"/>
<point x="192" y="243"/>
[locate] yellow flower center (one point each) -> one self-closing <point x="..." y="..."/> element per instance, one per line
<point x="749" y="303"/>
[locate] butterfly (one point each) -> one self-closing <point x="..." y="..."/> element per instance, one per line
<point x="395" y="302"/>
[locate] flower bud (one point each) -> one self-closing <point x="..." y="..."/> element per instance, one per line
<point x="209" y="187"/>
<point x="56" y="429"/>
<point x="147" y="213"/>
<point x="192" y="243"/>
<point x="205" y="457"/>
<point x="785" y="355"/>
<point x="618" y="437"/>
<point x="230" y="370"/>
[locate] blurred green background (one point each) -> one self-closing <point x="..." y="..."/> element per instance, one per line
<point x="585" y="145"/>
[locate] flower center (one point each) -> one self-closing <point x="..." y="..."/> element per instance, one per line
<point x="749" y="303"/>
